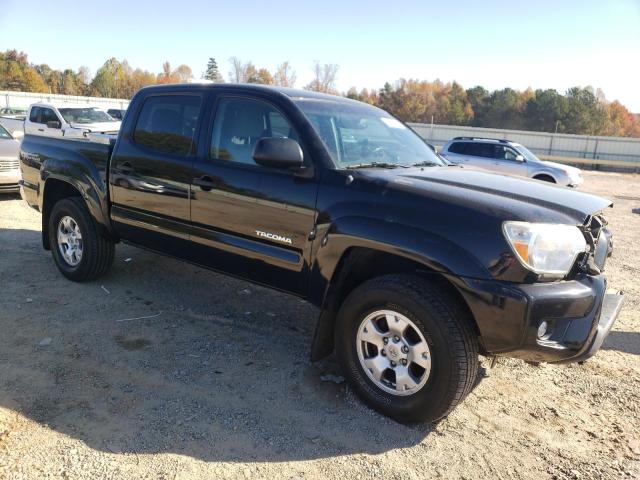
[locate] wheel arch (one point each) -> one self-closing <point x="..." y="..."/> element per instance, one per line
<point x="545" y="176"/>
<point x="56" y="188"/>
<point x="359" y="264"/>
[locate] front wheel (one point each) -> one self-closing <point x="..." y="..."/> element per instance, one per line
<point x="80" y="252"/>
<point x="406" y="347"/>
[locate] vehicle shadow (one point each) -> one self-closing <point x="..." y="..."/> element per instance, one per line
<point x="163" y="356"/>
<point x="4" y="196"/>
<point x="627" y="342"/>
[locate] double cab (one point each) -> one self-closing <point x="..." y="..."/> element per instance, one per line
<point x="417" y="266"/>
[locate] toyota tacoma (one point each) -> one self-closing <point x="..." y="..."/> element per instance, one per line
<point x="417" y="266"/>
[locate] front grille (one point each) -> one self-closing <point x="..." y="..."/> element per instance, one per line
<point x="8" y="164"/>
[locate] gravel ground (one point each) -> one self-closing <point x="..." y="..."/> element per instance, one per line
<point x="216" y="382"/>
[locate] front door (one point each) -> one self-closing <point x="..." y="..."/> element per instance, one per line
<point x="151" y="171"/>
<point x="506" y="161"/>
<point x="249" y="220"/>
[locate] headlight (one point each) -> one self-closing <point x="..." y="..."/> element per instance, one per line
<point x="545" y="248"/>
<point x="575" y="176"/>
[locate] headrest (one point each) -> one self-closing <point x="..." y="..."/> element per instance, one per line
<point x="166" y="120"/>
<point x="244" y="120"/>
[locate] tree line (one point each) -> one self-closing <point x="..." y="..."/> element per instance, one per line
<point x="579" y="110"/>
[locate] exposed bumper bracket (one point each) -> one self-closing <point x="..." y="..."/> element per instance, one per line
<point x="611" y="305"/>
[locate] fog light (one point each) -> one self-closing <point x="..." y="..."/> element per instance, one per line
<point x="543" y="329"/>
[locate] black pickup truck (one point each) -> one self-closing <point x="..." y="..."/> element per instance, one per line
<point x="417" y="266"/>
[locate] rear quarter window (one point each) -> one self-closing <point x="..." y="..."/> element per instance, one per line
<point x="167" y="123"/>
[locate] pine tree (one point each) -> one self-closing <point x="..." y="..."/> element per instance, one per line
<point x="212" y="72"/>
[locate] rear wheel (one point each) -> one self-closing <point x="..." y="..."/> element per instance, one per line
<point x="78" y="249"/>
<point x="406" y="347"/>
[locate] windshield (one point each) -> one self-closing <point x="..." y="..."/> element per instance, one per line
<point x="530" y="156"/>
<point x="4" y="133"/>
<point x="85" y="115"/>
<point x="364" y="136"/>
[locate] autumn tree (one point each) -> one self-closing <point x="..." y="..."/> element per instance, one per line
<point x="324" y="78"/>
<point x="621" y="122"/>
<point x="285" y="76"/>
<point x="237" y="74"/>
<point x="183" y="74"/>
<point x="579" y="110"/>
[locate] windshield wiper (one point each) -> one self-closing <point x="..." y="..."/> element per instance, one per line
<point x="425" y="164"/>
<point x="375" y="165"/>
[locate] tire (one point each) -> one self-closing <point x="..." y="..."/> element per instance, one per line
<point x="97" y="252"/>
<point x="443" y="324"/>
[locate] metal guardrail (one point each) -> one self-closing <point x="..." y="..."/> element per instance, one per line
<point x="598" y="151"/>
<point x="590" y="161"/>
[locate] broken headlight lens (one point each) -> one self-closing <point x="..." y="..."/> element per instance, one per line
<point x="545" y="248"/>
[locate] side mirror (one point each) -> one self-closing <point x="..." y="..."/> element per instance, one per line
<point x="519" y="158"/>
<point x="278" y="153"/>
<point x="17" y="135"/>
<point x="54" y="124"/>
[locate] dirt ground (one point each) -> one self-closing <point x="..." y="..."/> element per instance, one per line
<point x="216" y="382"/>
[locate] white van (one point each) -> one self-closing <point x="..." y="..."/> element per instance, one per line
<point x="68" y="120"/>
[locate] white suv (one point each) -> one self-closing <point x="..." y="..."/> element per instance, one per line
<point x="9" y="163"/>
<point x="503" y="156"/>
<point x="68" y="120"/>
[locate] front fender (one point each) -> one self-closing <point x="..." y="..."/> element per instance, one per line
<point x="435" y="252"/>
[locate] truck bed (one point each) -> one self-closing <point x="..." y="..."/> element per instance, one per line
<point x="86" y="159"/>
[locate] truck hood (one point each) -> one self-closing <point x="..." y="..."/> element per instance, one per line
<point x="512" y="198"/>
<point x="98" y="126"/>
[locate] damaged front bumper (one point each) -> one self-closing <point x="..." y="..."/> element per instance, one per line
<point x="556" y="322"/>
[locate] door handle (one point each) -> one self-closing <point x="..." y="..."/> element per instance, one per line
<point x="125" y="168"/>
<point x="205" y="182"/>
<point x="41" y="129"/>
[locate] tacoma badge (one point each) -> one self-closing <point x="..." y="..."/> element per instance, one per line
<point x="274" y="236"/>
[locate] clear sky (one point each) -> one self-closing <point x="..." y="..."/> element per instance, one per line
<point x="538" y="44"/>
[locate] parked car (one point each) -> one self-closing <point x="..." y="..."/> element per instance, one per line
<point x="12" y="123"/>
<point x="9" y="163"/>
<point x="68" y="121"/>
<point x="416" y="265"/>
<point x="503" y="156"/>
<point x="117" y="113"/>
<point x="13" y="112"/>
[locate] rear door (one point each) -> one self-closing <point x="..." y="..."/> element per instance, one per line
<point x="456" y="153"/>
<point x="480" y="154"/>
<point x="151" y="171"/>
<point x="249" y="220"/>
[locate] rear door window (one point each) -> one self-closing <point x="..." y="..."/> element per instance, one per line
<point x="485" y="150"/>
<point x="167" y="123"/>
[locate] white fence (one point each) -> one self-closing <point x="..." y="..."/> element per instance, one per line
<point x="24" y="99"/>
<point x="615" y="151"/>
